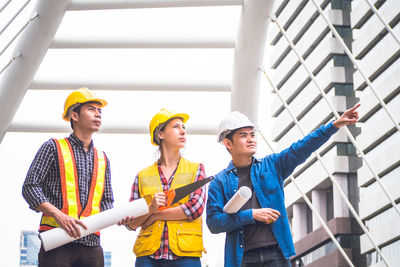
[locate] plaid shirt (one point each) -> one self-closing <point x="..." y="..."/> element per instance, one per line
<point x="43" y="182"/>
<point x="193" y="208"/>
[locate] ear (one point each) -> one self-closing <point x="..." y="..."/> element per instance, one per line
<point x="228" y="143"/>
<point x="74" y="116"/>
<point x="161" y="135"/>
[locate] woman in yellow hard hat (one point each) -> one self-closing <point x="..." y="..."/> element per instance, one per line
<point x="173" y="236"/>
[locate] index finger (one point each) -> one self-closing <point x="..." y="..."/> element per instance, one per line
<point x="162" y="194"/>
<point x="76" y="229"/>
<point x="81" y="224"/>
<point x="276" y="212"/>
<point x="355" y="107"/>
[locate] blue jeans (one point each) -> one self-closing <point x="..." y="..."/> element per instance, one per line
<point x="147" y="261"/>
<point x="265" y="256"/>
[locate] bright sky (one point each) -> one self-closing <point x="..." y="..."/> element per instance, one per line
<point x="127" y="153"/>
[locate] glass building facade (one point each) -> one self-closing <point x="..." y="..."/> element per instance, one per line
<point x="29" y="248"/>
<point x="107" y="259"/>
<point x="378" y="56"/>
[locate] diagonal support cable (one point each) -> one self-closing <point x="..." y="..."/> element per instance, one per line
<point x="352" y="58"/>
<point x="334" y="182"/>
<point x="387" y="26"/>
<point x="9" y="62"/>
<point x="316" y="213"/>
<point x="15" y="15"/>
<point x="4" y="5"/>
<point x="349" y="135"/>
<point x="19" y="32"/>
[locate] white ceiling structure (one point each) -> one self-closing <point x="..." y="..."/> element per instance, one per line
<point x="142" y="53"/>
<point x="61" y="33"/>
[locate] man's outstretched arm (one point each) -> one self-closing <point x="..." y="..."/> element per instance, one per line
<point x="299" y="151"/>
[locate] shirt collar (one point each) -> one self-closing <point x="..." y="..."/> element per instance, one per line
<point x="232" y="167"/>
<point x="77" y="142"/>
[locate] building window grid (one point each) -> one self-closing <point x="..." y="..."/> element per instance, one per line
<point x="341" y="4"/>
<point x="391" y="252"/>
<point x="107" y="259"/>
<point x="382" y="219"/>
<point x="29" y="248"/>
<point x="388" y="179"/>
<point x="345" y="241"/>
<point x="381" y="150"/>
<point x="344" y="89"/>
<point x="340" y="91"/>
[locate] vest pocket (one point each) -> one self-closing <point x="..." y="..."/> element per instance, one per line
<point x="148" y="241"/>
<point x="190" y="241"/>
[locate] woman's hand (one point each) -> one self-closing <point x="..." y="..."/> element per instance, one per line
<point x="159" y="200"/>
<point x="126" y="221"/>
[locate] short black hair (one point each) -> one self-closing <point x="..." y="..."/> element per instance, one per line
<point x="76" y="109"/>
<point x="230" y="135"/>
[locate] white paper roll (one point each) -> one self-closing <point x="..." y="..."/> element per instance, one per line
<point x="57" y="237"/>
<point x="238" y="200"/>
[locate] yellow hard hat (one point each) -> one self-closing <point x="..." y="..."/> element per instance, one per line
<point x="160" y="118"/>
<point x="80" y="96"/>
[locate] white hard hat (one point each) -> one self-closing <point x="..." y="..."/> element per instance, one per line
<point x="232" y="121"/>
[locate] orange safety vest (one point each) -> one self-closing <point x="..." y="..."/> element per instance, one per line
<point x="69" y="185"/>
<point x="185" y="237"/>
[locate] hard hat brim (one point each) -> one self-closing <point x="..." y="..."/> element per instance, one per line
<point x="182" y="116"/>
<point x="102" y="102"/>
<point x="221" y="136"/>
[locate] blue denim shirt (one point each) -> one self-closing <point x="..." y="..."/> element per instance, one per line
<point x="267" y="176"/>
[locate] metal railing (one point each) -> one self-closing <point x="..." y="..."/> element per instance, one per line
<point x="314" y="210"/>
<point x="333" y="180"/>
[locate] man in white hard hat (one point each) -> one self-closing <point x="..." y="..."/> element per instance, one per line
<point x="259" y="233"/>
<point x="70" y="179"/>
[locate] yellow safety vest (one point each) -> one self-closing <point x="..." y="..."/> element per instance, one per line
<point x="70" y="188"/>
<point x="185" y="238"/>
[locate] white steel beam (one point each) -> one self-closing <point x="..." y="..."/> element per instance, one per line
<point x="126" y="4"/>
<point x="32" y="47"/>
<point x="129" y="42"/>
<point x="5" y="4"/>
<point x="129" y="86"/>
<point x="249" y="55"/>
<point x="123" y="128"/>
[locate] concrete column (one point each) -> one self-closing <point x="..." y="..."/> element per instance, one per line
<point x="340" y="208"/>
<point x="249" y="54"/>
<point x="299" y="222"/>
<point x="32" y="45"/>
<point x="319" y="200"/>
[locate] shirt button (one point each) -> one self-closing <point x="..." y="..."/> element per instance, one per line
<point x="241" y="246"/>
<point x="234" y="190"/>
<point x="241" y="232"/>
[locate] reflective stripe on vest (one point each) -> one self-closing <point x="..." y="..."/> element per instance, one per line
<point x="70" y="188"/>
<point x="185" y="238"/>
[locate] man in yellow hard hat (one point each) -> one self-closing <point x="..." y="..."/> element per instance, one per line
<point x="70" y="179"/>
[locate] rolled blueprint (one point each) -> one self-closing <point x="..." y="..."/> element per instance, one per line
<point x="238" y="200"/>
<point x="57" y="237"/>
